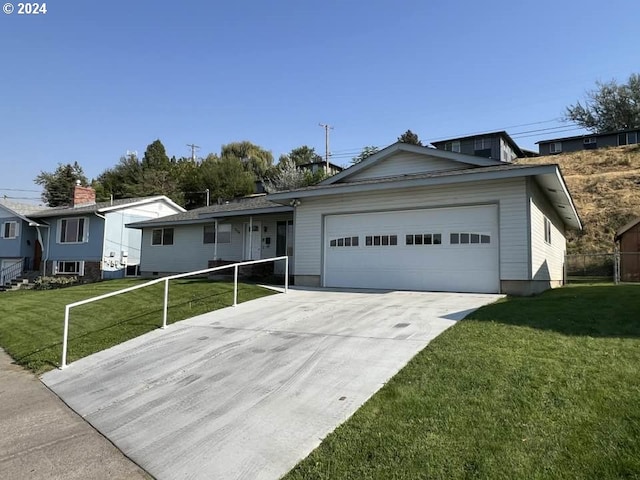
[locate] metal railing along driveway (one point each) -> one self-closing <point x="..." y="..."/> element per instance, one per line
<point x="67" y="308"/>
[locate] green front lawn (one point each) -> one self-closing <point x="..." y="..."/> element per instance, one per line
<point x="31" y="322"/>
<point x="527" y="388"/>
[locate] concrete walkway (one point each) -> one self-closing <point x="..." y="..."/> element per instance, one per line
<point x="42" y="438"/>
<point x="247" y="392"/>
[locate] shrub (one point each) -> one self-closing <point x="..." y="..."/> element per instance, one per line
<point x="50" y="283"/>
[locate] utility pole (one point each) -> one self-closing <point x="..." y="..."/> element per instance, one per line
<point x="326" y="127"/>
<point x="193" y="150"/>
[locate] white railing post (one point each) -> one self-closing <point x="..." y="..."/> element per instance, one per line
<point x="65" y="337"/>
<point x="166" y="303"/>
<point x="286" y="274"/>
<point x="235" y="285"/>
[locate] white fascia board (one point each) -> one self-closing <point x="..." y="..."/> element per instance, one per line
<point x="166" y="200"/>
<point x="417" y="149"/>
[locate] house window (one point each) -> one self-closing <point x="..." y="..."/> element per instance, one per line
<point x="547" y="230"/>
<point x="69" y="268"/>
<point x="469" y="238"/>
<point x="344" y="242"/>
<point x="133" y="271"/>
<point x="10" y="230"/>
<point x="452" y="146"/>
<point x="73" y="230"/>
<point x="380" y="240"/>
<point x="162" y="236"/>
<point x="209" y="234"/>
<point x="423" y="239"/>
<point x="482" y="144"/>
<point x="555" y="147"/>
<point x="589" y="140"/>
<point x="627" y="138"/>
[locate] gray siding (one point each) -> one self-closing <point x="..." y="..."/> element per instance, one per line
<point x="511" y="196"/>
<point x="547" y="260"/>
<point x="577" y="144"/>
<point x="23" y="245"/>
<point x="188" y="252"/>
<point x="405" y="163"/>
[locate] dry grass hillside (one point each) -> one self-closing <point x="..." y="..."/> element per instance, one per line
<point x="605" y="185"/>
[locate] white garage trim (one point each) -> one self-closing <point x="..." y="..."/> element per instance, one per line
<point x="438" y="249"/>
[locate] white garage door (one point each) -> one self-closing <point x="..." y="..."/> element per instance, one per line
<point x="444" y="249"/>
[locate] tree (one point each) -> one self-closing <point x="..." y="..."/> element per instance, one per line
<point x="301" y="156"/>
<point x="286" y="176"/>
<point x="409" y="137"/>
<point x="609" y="107"/>
<point x="226" y="177"/>
<point x="59" y="185"/>
<point x="366" y="152"/>
<point x="255" y="158"/>
<point x="155" y="157"/>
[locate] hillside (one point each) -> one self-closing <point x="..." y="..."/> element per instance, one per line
<point x="605" y="185"/>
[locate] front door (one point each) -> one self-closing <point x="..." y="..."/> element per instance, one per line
<point x="37" y="256"/>
<point x="284" y="244"/>
<point x="252" y="241"/>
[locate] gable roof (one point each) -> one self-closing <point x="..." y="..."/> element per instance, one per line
<point x="548" y="176"/>
<point x="253" y="205"/>
<point x="406" y="147"/>
<point x="21" y="210"/>
<point x="626" y="228"/>
<point x="500" y="133"/>
<point x="102" y="207"/>
<point x="588" y="135"/>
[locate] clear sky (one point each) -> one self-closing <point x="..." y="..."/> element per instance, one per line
<point x="89" y="80"/>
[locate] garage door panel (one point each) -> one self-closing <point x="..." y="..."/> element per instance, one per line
<point x="441" y="267"/>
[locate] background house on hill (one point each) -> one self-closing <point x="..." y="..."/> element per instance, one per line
<point x="494" y="145"/>
<point x="590" y="141"/>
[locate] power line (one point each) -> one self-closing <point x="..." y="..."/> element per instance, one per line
<point x="19" y="190"/>
<point x="193" y="147"/>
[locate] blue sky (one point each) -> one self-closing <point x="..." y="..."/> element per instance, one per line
<point x="90" y="80"/>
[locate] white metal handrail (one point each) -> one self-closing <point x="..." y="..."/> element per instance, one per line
<point x="67" y="308"/>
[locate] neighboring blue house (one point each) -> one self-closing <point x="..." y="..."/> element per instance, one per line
<point x="20" y="249"/>
<point x="88" y="239"/>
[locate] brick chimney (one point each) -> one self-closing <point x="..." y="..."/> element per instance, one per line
<point x="83" y="196"/>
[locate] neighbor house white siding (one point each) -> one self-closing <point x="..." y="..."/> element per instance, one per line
<point x="405" y="163"/>
<point x="547" y="259"/>
<point x="510" y="195"/>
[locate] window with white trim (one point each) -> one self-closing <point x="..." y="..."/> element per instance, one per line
<point x="65" y="267"/>
<point x="555" y="147"/>
<point x="547" y="230"/>
<point x="628" y="138"/>
<point x="73" y="230"/>
<point x="162" y="236"/>
<point x="224" y="233"/>
<point x="10" y="230"/>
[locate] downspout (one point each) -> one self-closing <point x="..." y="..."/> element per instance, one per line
<point x="46" y="257"/>
<point x="104" y="242"/>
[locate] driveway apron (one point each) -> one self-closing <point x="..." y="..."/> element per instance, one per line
<point x="246" y="392"/>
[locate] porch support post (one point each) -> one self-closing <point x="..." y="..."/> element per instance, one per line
<point x="250" y="238"/>
<point x="215" y="241"/>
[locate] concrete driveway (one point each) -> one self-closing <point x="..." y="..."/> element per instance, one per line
<point x="247" y="392"/>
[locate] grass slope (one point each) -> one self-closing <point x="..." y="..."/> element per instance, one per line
<point x="527" y="388"/>
<point x="31" y="322"/>
<point x="604" y="184"/>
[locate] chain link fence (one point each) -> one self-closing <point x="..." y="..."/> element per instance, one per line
<point x="603" y="267"/>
